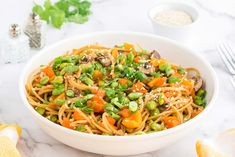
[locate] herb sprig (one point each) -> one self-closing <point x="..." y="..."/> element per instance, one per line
<point x="63" y="11"/>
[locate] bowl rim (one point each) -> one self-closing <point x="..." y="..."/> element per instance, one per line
<point x="118" y="138"/>
<point x="173" y="5"/>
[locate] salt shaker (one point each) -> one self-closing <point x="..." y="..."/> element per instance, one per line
<point x="35" y="31"/>
<point x="15" y="47"/>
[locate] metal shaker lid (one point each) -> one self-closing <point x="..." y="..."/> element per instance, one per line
<point x="14" y="30"/>
<point x="34" y="18"/>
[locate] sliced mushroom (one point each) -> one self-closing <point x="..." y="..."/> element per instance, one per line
<point x="147" y="68"/>
<point x="86" y="59"/>
<point x="163" y="107"/>
<point x="104" y="60"/>
<point x="195" y="75"/>
<point x="155" y="54"/>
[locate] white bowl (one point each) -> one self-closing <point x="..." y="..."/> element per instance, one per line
<point x="123" y="145"/>
<point x="183" y="33"/>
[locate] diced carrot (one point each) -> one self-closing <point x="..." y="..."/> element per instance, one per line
<point x="156" y="62"/>
<point x="115" y="53"/>
<point x="75" y="51"/>
<point x="139" y="87"/>
<point x="171" y="121"/>
<point x="136" y="59"/>
<point x="78" y="116"/>
<point x="66" y="123"/>
<point x="111" y="120"/>
<point x="37" y="80"/>
<point x="134" y="121"/>
<point x="98" y="92"/>
<point x="157" y="82"/>
<point x="96" y="103"/>
<point x="187" y="84"/>
<point x="128" y="46"/>
<point x="49" y="72"/>
<point x="125" y="113"/>
<point x="122" y="81"/>
<point x="98" y="75"/>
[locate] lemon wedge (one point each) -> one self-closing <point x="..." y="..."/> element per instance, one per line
<point x="222" y="145"/>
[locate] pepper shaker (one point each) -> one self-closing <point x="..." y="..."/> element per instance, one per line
<point x="35" y="31"/>
<point x="15" y="47"/>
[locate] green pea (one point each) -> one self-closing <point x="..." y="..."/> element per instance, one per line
<point x="53" y="118"/>
<point x="133" y="106"/>
<point x="135" y="95"/>
<point x="44" y="80"/>
<point x="70" y="93"/>
<point x="168" y="71"/>
<point x="40" y="110"/>
<point x="155" y="112"/>
<point x="155" y="126"/>
<point x="173" y="80"/>
<point x="151" y="105"/>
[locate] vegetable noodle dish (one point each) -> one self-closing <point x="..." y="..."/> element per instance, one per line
<point x="122" y="90"/>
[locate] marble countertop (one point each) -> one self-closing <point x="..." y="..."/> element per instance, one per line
<point x="127" y="15"/>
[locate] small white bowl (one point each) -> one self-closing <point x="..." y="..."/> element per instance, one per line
<point x="179" y="33"/>
<point x="123" y="145"/>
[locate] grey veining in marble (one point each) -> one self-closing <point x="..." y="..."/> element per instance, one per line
<point x="128" y="15"/>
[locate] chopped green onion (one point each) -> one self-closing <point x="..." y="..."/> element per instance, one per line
<point x="53" y="118"/>
<point x="60" y="101"/>
<point x="87" y="110"/>
<point x="155" y="126"/>
<point x="135" y="95"/>
<point x="110" y="108"/>
<point x="130" y="58"/>
<point x="201" y="93"/>
<point x="81" y="128"/>
<point x="155" y="112"/>
<point x="181" y="70"/>
<point x="70" y="93"/>
<point x="115" y="116"/>
<point x="115" y="102"/>
<point x="120" y="67"/>
<point x="164" y="66"/>
<point x="155" y="74"/>
<point x="40" y="110"/>
<point x="110" y="93"/>
<point x="114" y="84"/>
<point x="44" y="80"/>
<point x="58" y="91"/>
<point x="58" y="80"/>
<point x="173" y="80"/>
<point x="151" y="105"/>
<point x="140" y="76"/>
<point x="133" y="106"/>
<point x="88" y="96"/>
<point x="161" y="100"/>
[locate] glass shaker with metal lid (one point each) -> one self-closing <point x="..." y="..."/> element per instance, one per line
<point x="35" y="31"/>
<point x="15" y="46"/>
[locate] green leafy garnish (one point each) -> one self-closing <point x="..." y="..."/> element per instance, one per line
<point x="62" y="11"/>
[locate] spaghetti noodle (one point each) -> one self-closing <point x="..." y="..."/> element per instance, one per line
<point x="115" y="91"/>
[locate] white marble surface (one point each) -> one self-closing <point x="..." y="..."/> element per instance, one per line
<point x="128" y="15"/>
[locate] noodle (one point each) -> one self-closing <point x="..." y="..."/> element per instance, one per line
<point x="115" y="91"/>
